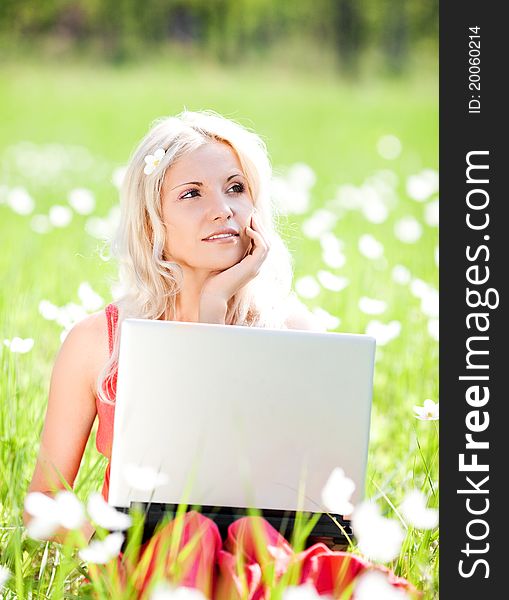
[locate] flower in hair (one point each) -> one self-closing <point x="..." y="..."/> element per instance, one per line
<point x="153" y="160"/>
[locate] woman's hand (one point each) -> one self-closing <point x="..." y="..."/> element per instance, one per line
<point x="219" y="288"/>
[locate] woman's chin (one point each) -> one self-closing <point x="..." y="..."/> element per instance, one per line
<point x="222" y="261"/>
<point x="221" y="264"/>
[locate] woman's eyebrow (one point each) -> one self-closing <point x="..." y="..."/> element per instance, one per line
<point x="199" y="183"/>
<point x="236" y="175"/>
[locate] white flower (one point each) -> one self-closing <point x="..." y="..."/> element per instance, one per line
<point x="337" y="492"/>
<point x="98" y="228"/>
<point x="118" y="175"/>
<point x="328" y="241"/>
<point x="5" y="574"/>
<point x="103" y="228"/>
<point x="378" y="538"/>
<point x="326" y="320"/>
<point x="433" y="329"/>
<point x="319" y="222"/>
<point x="48" y="310"/>
<point x="307" y="287"/>
<point x="349" y="197"/>
<point x="334" y="259"/>
<point x="70" y="509"/>
<point x="370" y="247"/>
<point x="430" y="303"/>
<point x="289" y="197"/>
<point x="371" y="306"/>
<point x="401" y="275"/>
<point x="302" y="175"/>
<point x="152" y="161"/>
<point x="428" y="412"/>
<point x="374" y="199"/>
<point x="69" y="314"/>
<point x="408" y="230"/>
<point x="105" y="515"/>
<point x="144" y="478"/>
<point x="90" y="300"/>
<point x="389" y="147"/>
<point x="421" y="186"/>
<point x="384" y="333"/>
<point x="332" y="254"/>
<point x="64" y="510"/>
<point x="102" y="551"/>
<point x="40" y="224"/>
<point x="82" y="200"/>
<point x="302" y="592"/>
<point x="373" y="585"/>
<point x="413" y="509"/>
<point x="164" y="591"/>
<point x="386" y="178"/>
<point x="431" y="213"/>
<point x="19" y="345"/>
<point x="419" y="288"/>
<point x="45" y="520"/>
<point x="332" y="282"/>
<point x="60" y="216"/>
<point x="20" y="201"/>
<point x="374" y="209"/>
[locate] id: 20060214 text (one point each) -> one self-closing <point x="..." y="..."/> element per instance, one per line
<point x="474" y="70"/>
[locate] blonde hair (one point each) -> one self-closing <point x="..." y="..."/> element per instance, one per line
<point x="149" y="284"/>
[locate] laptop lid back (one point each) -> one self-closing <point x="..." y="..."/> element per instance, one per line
<point x="240" y="416"/>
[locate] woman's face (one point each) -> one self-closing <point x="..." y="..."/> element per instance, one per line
<point x="204" y="192"/>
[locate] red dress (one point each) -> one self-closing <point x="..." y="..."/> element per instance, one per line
<point x="213" y="565"/>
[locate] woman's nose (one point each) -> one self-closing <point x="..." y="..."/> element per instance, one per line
<point x="220" y="207"/>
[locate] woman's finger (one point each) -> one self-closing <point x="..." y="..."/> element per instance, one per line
<point x="258" y="227"/>
<point x="260" y="248"/>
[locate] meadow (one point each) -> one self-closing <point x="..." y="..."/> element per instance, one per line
<point x="356" y="178"/>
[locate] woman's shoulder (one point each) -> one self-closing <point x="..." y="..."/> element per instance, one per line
<point x="94" y="325"/>
<point x="91" y="335"/>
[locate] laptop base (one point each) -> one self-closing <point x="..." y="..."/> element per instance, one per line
<point x="325" y="530"/>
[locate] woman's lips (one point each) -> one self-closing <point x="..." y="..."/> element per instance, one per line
<point x="223" y="240"/>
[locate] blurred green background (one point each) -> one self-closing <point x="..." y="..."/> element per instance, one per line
<point x="391" y="33"/>
<point x="344" y="93"/>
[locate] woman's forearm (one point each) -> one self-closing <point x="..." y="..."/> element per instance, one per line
<point x="212" y="309"/>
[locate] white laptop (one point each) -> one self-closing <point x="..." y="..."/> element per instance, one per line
<point x="239" y="417"/>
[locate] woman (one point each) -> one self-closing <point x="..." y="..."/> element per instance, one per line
<point x="196" y="242"/>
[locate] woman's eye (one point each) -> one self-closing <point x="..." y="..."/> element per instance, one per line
<point x="188" y="192"/>
<point x="239" y="186"/>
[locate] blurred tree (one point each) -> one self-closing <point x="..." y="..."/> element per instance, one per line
<point x="348" y="20"/>
<point x="230" y="30"/>
<point x="395" y="35"/>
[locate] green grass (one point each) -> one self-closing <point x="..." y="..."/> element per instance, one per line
<point x="331" y="125"/>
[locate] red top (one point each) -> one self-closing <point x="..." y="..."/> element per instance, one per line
<point x="106" y="412"/>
